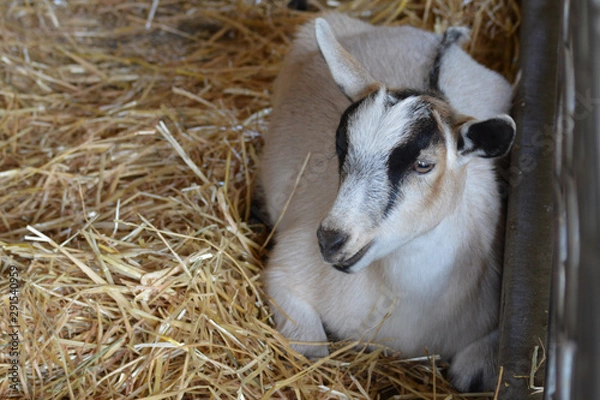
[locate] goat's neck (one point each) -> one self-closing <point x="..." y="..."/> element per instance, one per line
<point x="460" y="245"/>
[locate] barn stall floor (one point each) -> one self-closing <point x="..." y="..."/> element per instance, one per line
<point x="129" y="133"/>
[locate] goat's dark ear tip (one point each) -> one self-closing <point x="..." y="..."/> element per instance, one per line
<point x="489" y="138"/>
<point x="300" y="5"/>
<point x="509" y="130"/>
<point x="507" y="119"/>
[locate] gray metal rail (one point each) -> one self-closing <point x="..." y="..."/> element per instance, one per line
<point x="574" y="359"/>
<point x="529" y="228"/>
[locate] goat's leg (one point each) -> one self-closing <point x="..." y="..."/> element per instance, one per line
<point x="298" y="321"/>
<point x="473" y="369"/>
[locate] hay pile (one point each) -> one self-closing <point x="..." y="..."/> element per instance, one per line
<point x="129" y="133"/>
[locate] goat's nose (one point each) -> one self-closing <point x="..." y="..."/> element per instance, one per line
<point x="330" y="242"/>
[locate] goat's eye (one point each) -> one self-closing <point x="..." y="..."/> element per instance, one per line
<point x="423" y="167"/>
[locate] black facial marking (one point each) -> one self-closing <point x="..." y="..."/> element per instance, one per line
<point x="404" y="156"/>
<point x="392" y="199"/>
<point x="341" y="134"/>
<point x="423" y="132"/>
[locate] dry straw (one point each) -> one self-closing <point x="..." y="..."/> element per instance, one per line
<point x="129" y="133"/>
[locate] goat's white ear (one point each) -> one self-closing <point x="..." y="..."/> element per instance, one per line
<point x="488" y="138"/>
<point x="349" y="74"/>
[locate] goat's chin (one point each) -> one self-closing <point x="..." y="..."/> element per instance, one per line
<point x="360" y="260"/>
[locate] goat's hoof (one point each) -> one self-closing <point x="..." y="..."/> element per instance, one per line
<point x="473" y="371"/>
<point x="471" y="378"/>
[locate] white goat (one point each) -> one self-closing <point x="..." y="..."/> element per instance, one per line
<point x="390" y="235"/>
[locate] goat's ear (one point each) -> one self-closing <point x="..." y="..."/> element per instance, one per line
<point x="349" y="74"/>
<point x="489" y="138"/>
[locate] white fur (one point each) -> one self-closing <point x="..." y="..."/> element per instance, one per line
<point x="430" y="278"/>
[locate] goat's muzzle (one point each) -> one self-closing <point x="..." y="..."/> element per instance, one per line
<point x="331" y="241"/>
<point x="331" y="245"/>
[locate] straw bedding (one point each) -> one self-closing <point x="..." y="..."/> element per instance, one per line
<point x="129" y="133"/>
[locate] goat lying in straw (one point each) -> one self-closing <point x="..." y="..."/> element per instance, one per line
<point x="378" y="174"/>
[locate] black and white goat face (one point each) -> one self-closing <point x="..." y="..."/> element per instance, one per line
<point x="403" y="159"/>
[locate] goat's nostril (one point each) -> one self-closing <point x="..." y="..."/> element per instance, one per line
<point x="330" y="241"/>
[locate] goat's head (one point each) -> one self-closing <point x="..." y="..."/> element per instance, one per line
<point x="403" y="160"/>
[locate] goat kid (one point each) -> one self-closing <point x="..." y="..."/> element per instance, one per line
<point x="390" y="232"/>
